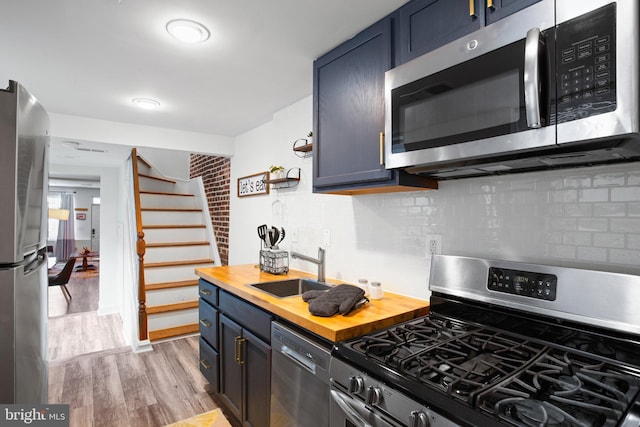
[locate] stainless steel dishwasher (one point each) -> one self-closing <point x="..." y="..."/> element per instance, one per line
<point x="299" y="379"/>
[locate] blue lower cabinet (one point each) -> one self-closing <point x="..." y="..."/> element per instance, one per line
<point x="209" y="365"/>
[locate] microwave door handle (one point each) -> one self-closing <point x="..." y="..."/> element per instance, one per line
<point x="532" y="78"/>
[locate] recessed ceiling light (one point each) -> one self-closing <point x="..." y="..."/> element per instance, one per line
<point x="188" y="31"/>
<point x="145" y="103"/>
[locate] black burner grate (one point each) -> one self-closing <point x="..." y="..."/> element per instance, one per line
<point x="562" y="389"/>
<point x="467" y="364"/>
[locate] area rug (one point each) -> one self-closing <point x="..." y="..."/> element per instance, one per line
<point x="213" y="418"/>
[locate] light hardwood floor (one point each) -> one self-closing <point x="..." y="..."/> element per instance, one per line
<point x="105" y="383"/>
<point x="119" y="388"/>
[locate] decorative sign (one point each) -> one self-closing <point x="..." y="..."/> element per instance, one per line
<point x="81" y="216"/>
<point x="253" y="185"/>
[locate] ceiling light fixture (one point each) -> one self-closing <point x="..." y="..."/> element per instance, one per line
<point x="187" y="31"/>
<point x="145" y="103"/>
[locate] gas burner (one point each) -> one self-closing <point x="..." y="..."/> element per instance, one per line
<point x="585" y="392"/>
<point x="524" y="412"/>
<point x="465" y="365"/>
<point x="394" y="345"/>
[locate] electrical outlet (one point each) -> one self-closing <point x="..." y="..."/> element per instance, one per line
<point x="326" y="238"/>
<point x="434" y="245"/>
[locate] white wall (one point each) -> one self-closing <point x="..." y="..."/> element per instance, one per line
<point x="172" y="163"/>
<point x="76" y="128"/>
<point x="576" y="217"/>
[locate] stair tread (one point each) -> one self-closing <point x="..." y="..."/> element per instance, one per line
<point x="178" y="263"/>
<point x="173" y="332"/>
<point x="184" y="305"/>
<point x="170" y="285"/>
<point x="171" y="209"/>
<point x="158" y="178"/>
<point x="160" y="226"/>
<point x="174" y="244"/>
<point x="165" y="193"/>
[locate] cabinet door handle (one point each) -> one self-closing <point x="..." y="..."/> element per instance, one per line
<point x="490" y="4"/>
<point x="381" y="148"/>
<point x="205" y="322"/>
<point x="204" y="364"/>
<point x="238" y="350"/>
<point x="205" y="292"/>
<point x="472" y="9"/>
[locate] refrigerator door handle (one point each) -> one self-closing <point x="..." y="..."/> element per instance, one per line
<point x="35" y="262"/>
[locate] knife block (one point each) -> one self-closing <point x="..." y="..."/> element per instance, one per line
<point x="274" y="261"/>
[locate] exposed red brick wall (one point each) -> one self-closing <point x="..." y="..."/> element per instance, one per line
<point x="216" y="177"/>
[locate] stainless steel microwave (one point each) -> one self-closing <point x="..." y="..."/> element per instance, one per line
<point x="554" y="85"/>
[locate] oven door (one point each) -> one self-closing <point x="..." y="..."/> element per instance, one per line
<point x="489" y="93"/>
<point x="347" y="411"/>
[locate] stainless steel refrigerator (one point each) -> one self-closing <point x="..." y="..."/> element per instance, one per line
<point x="24" y="140"/>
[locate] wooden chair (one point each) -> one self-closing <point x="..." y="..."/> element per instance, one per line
<point x="61" y="279"/>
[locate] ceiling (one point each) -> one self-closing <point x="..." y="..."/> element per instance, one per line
<point x="91" y="57"/>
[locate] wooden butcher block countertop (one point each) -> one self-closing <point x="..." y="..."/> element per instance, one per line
<point x="375" y="315"/>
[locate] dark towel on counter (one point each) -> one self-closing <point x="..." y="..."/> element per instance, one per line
<point x="342" y="298"/>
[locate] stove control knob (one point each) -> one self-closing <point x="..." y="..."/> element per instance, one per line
<point x="374" y="396"/>
<point x="418" y="419"/>
<point x="356" y="385"/>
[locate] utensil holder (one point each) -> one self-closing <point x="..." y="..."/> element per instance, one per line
<point x="274" y="261"/>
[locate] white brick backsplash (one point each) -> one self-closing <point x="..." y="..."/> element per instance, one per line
<point x="633" y="241"/>
<point x="576" y="209"/>
<point x="577" y="182"/>
<point x="592" y="254"/>
<point x="634" y="209"/>
<point x="566" y="224"/>
<point x="608" y="240"/>
<point x="634" y="177"/>
<point x="564" y="196"/>
<point x="609" y="209"/>
<point x="562" y="251"/>
<point x="625" y="225"/>
<point x="577" y="238"/>
<point x="593" y="224"/>
<point x="609" y="180"/>
<point x="593" y="195"/>
<point x="625" y="194"/>
<point x="624" y="257"/>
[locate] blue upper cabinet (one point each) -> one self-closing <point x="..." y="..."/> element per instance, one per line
<point x="348" y="116"/>
<point x="424" y="25"/>
<point x="498" y="9"/>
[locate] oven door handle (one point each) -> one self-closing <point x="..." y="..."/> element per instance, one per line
<point x="349" y="412"/>
<point x="532" y="78"/>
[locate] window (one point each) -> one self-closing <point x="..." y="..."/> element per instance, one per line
<point x="54" y="203"/>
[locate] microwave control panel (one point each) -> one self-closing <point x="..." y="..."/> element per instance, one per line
<point x="586" y="64"/>
<point x="524" y="283"/>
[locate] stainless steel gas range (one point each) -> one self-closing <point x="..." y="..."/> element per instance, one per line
<point x="506" y="344"/>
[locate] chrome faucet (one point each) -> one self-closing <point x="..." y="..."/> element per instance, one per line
<point x="319" y="261"/>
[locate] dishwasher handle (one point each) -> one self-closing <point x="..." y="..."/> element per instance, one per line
<point x="298" y="359"/>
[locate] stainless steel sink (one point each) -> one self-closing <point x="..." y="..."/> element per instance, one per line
<point x="290" y="287"/>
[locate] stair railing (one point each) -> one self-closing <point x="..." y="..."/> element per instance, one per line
<point x="141" y="248"/>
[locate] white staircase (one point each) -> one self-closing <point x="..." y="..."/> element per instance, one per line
<point x="178" y="238"/>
